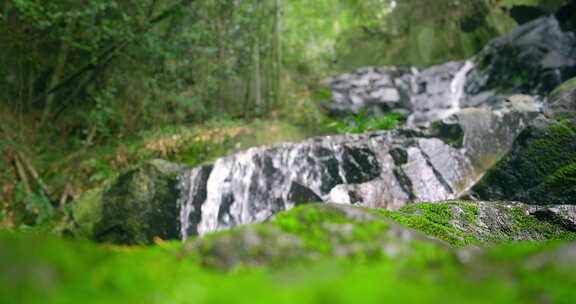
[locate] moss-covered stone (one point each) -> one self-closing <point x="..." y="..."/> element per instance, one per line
<point x="309" y="232"/>
<point x="132" y="208"/>
<point x="315" y="231"/>
<point x="463" y="223"/>
<point x="539" y="168"/>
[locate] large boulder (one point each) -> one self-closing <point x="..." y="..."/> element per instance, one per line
<point x="133" y="208"/>
<point x="531" y="59"/>
<point x="310" y="232"/>
<point x="541" y="167"/>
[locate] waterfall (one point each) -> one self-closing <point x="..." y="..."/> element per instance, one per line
<point x="192" y="187"/>
<point x="457" y="87"/>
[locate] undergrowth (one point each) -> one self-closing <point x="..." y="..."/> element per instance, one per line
<point x="360" y="123"/>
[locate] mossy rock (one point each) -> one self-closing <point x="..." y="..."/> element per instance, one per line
<point x="463" y="223"/>
<point x="313" y="232"/>
<point x="132" y="208"/>
<point x="308" y="233"/>
<point x="538" y="170"/>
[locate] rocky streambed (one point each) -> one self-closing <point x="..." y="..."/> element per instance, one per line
<point x="492" y="113"/>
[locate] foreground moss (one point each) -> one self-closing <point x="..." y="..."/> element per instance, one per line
<point x="310" y="233"/>
<point x="60" y="271"/>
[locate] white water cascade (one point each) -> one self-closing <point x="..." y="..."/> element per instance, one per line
<point x="457" y="87"/>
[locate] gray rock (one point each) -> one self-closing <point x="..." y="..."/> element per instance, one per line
<point x="532" y="59"/>
<point x="314" y="231"/>
<point x="425" y="95"/>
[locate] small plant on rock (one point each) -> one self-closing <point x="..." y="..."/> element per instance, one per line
<point x="360" y="123"/>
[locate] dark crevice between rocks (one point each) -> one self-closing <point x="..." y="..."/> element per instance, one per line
<point x="299" y="194"/>
<point x="566" y="16"/>
<point x="115" y="235"/>
<point x="437" y="173"/>
<point x="405" y="183"/>
<point x="360" y="165"/>
<point x="451" y="134"/>
<point x="400" y="156"/>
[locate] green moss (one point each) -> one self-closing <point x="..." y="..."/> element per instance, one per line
<point x="457" y="223"/>
<point x="556" y="148"/>
<point x="561" y="185"/>
<point x="549" y="226"/>
<point x="435" y="219"/>
<point x="88" y="211"/>
<point x="320" y="228"/>
<point x="59" y="271"/>
<point x="470" y="213"/>
<point x="566" y="86"/>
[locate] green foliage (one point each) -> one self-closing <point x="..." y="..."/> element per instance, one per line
<point x="38" y="208"/>
<point x="360" y="123"/>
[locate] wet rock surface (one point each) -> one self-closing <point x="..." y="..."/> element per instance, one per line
<point x="422" y="95"/>
<point x="561" y="103"/>
<point x="531" y="59"/>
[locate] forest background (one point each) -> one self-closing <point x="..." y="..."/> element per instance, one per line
<point x="88" y="88"/>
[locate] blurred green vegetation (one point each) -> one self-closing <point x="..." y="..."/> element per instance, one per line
<point x="72" y="271"/>
<point x="360" y="123"/>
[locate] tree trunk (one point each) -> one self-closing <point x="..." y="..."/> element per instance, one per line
<point x="56" y="75"/>
<point x="257" y="78"/>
